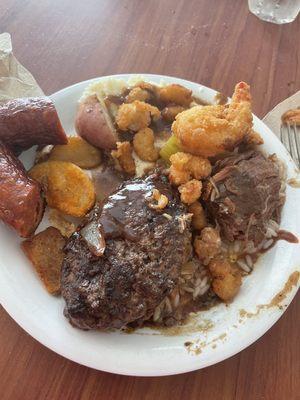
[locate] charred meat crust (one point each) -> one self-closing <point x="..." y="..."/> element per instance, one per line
<point x="141" y="263"/>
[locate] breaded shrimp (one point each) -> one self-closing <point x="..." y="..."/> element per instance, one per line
<point x="123" y="156"/>
<point x="207" y="245"/>
<point x="143" y="144"/>
<point x="136" y="115"/>
<point x="212" y="130"/>
<point x="190" y="191"/>
<point x="184" y="166"/>
<point x="227" y="279"/>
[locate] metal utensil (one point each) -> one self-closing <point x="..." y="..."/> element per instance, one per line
<point x="290" y="137"/>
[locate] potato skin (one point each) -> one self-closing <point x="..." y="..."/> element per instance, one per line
<point x="94" y="124"/>
<point x="45" y="252"/>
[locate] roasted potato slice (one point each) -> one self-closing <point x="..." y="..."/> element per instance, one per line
<point x="39" y="172"/>
<point x="77" y="151"/>
<point x="45" y="251"/>
<point x="68" y="189"/>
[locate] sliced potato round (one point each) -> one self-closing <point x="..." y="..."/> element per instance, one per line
<point x="39" y="172"/>
<point x="78" y="152"/>
<point x="68" y="189"/>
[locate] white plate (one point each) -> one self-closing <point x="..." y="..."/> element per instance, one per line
<point x="224" y="331"/>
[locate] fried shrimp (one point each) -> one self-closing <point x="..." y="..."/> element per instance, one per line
<point x="190" y="191"/>
<point x="212" y="130"/>
<point x="143" y="144"/>
<point x="136" y="115"/>
<point x="207" y="245"/>
<point x="185" y="166"/>
<point x="123" y="156"/>
<point x="227" y="279"/>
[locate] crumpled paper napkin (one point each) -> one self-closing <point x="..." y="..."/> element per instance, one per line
<point x="15" y="80"/>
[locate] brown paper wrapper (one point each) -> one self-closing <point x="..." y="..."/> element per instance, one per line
<point x="15" y="80"/>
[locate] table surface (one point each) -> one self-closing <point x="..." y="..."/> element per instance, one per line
<point x="214" y="42"/>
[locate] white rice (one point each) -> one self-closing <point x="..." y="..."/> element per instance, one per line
<point x="270" y="232"/>
<point x="168" y="305"/>
<point x="243" y="265"/>
<point x="194" y="282"/>
<point x="249" y="261"/>
<point x="156" y="314"/>
<point x="250" y="248"/>
<point x="267" y="244"/>
<point x="273" y="224"/>
<point x="213" y="195"/>
<point x="236" y="246"/>
<point x="176" y="300"/>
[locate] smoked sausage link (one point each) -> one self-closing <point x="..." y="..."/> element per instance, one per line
<point x="28" y="122"/>
<point x="21" y="201"/>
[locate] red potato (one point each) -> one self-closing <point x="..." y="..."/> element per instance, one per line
<point x="94" y="124"/>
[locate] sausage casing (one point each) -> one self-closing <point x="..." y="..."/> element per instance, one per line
<point x="21" y="201"/>
<point x="28" y="122"/>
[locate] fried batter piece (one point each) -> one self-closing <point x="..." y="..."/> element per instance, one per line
<point x="291" y="117"/>
<point x="143" y="144"/>
<point x="207" y="245"/>
<point x="227" y="279"/>
<point x="212" y="130"/>
<point x="161" y="200"/>
<point x="169" y="113"/>
<point x="186" y="166"/>
<point x="199" y="219"/>
<point x="123" y="155"/>
<point x="137" y="93"/>
<point x="136" y="115"/>
<point x="254" y="138"/>
<point x="190" y="191"/>
<point x="175" y="94"/>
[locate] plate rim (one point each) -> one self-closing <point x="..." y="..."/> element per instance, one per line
<point x="22" y="322"/>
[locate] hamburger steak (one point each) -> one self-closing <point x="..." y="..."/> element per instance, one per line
<point x="126" y="257"/>
<point x="247" y="195"/>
